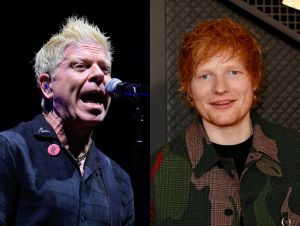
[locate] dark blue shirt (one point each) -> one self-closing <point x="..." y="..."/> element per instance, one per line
<point x="37" y="188"/>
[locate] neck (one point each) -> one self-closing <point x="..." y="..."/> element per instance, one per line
<point x="75" y="141"/>
<point x="229" y="135"/>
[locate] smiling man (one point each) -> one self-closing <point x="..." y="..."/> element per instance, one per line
<point x="229" y="167"/>
<point x="51" y="172"/>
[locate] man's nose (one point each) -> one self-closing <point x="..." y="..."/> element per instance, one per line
<point x="220" y="85"/>
<point x="97" y="74"/>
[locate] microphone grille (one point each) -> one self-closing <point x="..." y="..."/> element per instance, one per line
<point x="111" y="85"/>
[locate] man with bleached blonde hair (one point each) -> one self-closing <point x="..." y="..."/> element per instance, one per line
<point x="51" y="172"/>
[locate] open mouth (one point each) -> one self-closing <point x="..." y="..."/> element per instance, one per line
<point x="94" y="98"/>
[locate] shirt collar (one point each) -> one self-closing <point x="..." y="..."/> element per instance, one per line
<point x="41" y="128"/>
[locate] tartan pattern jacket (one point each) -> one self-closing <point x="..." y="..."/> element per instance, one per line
<point x="191" y="185"/>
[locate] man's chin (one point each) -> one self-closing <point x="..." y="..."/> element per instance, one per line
<point x="226" y="120"/>
<point x="92" y="118"/>
<point x="223" y="121"/>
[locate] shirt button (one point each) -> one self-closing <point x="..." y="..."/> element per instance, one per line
<point x="83" y="218"/>
<point x="228" y="212"/>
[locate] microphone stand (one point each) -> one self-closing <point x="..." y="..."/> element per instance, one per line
<point x="140" y="162"/>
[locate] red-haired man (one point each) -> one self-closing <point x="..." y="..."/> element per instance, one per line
<point x="229" y="167"/>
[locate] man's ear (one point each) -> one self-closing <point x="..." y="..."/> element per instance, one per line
<point x="45" y="85"/>
<point x="189" y="96"/>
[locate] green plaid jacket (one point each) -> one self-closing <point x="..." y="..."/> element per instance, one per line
<point x="190" y="185"/>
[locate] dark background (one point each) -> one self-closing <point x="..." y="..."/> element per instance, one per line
<point x="29" y="26"/>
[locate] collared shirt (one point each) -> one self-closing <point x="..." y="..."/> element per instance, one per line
<point x="37" y="188"/>
<point x="191" y="185"/>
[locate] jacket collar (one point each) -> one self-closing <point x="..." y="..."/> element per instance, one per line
<point x="203" y="156"/>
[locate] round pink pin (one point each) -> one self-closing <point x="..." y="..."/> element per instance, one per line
<point x="53" y="149"/>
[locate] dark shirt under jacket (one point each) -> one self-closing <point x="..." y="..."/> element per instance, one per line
<point x="39" y="189"/>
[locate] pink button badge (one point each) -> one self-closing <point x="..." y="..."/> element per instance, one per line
<point x="53" y="149"/>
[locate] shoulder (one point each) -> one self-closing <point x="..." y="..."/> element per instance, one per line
<point x="12" y="132"/>
<point x="170" y="159"/>
<point x="280" y="134"/>
<point x="19" y="136"/>
<point x="274" y="130"/>
<point x="22" y="129"/>
<point x="287" y="143"/>
<point x="10" y="137"/>
<point x="176" y="146"/>
<point x="11" y="142"/>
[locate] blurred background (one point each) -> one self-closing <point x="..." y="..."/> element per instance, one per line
<point x="27" y="26"/>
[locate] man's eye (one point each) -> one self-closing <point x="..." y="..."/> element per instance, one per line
<point x="78" y="66"/>
<point x="233" y="73"/>
<point x="205" y="77"/>
<point x="106" y="70"/>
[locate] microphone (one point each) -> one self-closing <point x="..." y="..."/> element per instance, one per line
<point x="116" y="88"/>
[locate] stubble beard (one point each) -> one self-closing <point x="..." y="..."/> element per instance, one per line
<point x="225" y="119"/>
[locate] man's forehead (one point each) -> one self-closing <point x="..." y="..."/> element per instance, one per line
<point x="84" y="49"/>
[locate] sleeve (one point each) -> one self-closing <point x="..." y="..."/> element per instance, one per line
<point x="8" y="184"/>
